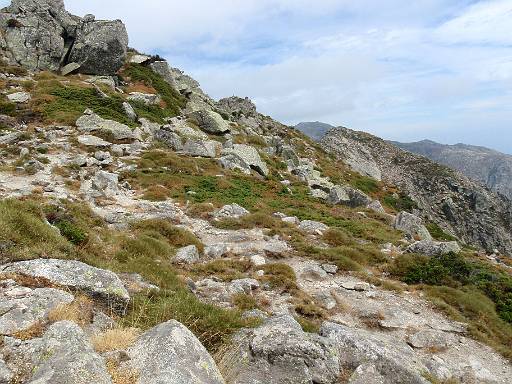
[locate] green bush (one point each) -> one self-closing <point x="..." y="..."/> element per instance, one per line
<point x="438" y="234"/>
<point x="71" y="232"/>
<point x="400" y="203"/>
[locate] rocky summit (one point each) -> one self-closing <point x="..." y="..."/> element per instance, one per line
<point x="150" y="234"/>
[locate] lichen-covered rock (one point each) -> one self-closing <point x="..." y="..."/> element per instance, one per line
<point x="244" y="158"/>
<point x="280" y="352"/>
<point x="210" y="122"/>
<point x="170" y="353"/>
<point x="63" y="355"/>
<point x="145" y="98"/>
<point x="76" y="275"/>
<point x="19" y="97"/>
<point x="170" y="138"/>
<point x="93" y="141"/>
<point x="91" y="122"/>
<point x="23" y="307"/>
<point x="412" y="225"/>
<point x="434" y="248"/>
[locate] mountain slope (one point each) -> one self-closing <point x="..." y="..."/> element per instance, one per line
<point x="149" y="233"/>
<point x="460" y="205"/>
<point x="490" y="167"/>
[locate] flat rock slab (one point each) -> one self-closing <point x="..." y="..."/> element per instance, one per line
<point x="96" y="282"/>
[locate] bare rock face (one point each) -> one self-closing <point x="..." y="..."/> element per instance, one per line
<point x="42" y="35"/>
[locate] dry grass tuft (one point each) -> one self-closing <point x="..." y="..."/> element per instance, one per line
<point x="114" y="339"/>
<point x="121" y="375"/>
<point x="33" y="332"/>
<point x="80" y="311"/>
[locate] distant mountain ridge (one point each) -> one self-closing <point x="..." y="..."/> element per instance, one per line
<point x="314" y="129"/>
<point x="486" y="165"/>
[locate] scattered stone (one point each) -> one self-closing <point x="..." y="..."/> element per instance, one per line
<point x="243" y="286"/>
<point x="92" y="141"/>
<point x="313" y="272"/>
<point x="233" y="211"/>
<point x="187" y="255"/>
<point x="330" y="268"/>
<point x="78" y="276"/>
<point x="19" y="97"/>
<point x="129" y="111"/>
<point x="376" y="206"/>
<point x="313" y="227"/>
<point x="69" y="69"/>
<point x="216" y="251"/>
<point x="255" y="314"/>
<point x="258" y="260"/>
<point x="355" y="286"/>
<point x="106" y="183"/>
<point x="199" y="148"/>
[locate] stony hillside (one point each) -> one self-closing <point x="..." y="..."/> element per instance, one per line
<point x="150" y="234"/>
<point x="490" y="167"/>
<point x="464" y="208"/>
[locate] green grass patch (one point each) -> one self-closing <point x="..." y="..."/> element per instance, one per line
<point x="66" y="103"/>
<point x="173" y="100"/>
<point x="438" y="234"/>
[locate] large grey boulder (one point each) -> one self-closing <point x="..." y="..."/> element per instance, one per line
<point x="434" y="248"/>
<point x="42" y="35"/>
<point x="394" y="364"/>
<point x="145" y="98"/>
<point x="313" y="227"/>
<point x="412" y="225"/>
<point x="170" y="138"/>
<point x="63" y="355"/>
<point x="210" y="121"/>
<point x="23" y="307"/>
<point x="244" y="158"/>
<point x="91" y="122"/>
<point x="202" y="148"/>
<point x="280" y="352"/>
<point x="76" y="275"/>
<point x="345" y="195"/>
<point x="106" y="183"/>
<point x="170" y="353"/>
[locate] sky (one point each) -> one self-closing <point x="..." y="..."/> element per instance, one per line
<point x="403" y="70"/>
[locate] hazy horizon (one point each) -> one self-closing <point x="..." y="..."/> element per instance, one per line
<point x="401" y="70"/>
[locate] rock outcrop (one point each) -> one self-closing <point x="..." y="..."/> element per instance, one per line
<point x="42" y="35"/>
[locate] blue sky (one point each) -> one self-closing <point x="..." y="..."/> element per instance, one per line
<point x="404" y="70"/>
